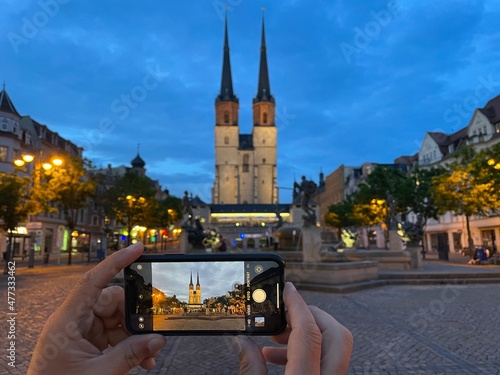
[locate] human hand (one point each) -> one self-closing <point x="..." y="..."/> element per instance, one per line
<point x="315" y="342"/>
<point x="89" y="321"/>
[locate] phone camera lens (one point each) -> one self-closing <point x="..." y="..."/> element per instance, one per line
<point x="139" y="267"/>
<point x="141" y="325"/>
<point x="140" y="296"/>
<point x="258" y="269"/>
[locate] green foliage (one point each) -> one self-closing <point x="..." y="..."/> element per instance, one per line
<point x="67" y="188"/>
<point x="340" y="216"/>
<point x="15" y="202"/>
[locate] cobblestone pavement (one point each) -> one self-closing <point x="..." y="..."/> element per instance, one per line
<point x="435" y="329"/>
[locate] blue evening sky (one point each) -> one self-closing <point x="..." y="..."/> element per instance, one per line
<point x="355" y="81"/>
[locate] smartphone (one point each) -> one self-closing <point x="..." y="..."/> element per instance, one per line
<point x="205" y="294"/>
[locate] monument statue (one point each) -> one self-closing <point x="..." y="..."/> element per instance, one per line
<point x="307" y="188"/>
<point x="392" y="203"/>
<point x="187" y="205"/>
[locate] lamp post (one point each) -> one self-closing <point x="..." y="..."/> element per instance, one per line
<point x="46" y="166"/>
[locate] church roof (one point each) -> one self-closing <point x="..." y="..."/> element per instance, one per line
<point x="264" y="87"/>
<point x="6" y="104"/>
<point x="226" y="87"/>
<point x="138" y="162"/>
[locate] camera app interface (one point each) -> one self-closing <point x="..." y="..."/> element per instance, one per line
<point x="207" y="296"/>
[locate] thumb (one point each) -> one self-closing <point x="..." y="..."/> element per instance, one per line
<point x="133" y="351"/>
<point x="252" y="361"/>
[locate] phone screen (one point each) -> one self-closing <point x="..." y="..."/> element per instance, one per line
<point x="211" y="295"/>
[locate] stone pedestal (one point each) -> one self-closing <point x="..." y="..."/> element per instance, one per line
<point x="395" y="242"/>
<point x="184" y="245"/>
<point x="415" y="255"/>
<point x="311" y="244"/>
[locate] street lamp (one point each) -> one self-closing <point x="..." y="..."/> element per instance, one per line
<point x="46" y="166"/>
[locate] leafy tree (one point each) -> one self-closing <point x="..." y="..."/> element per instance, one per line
<point x="66" y="189"/>
<point x="370" y="214"/>
<point x="465" y="189"/>
<point x="340" y="216"/>
<point x="15" y="205"/>
<point x="377" y="185"/>
<point x="131" y="201"/>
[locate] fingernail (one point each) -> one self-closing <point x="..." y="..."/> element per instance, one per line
<point x="156" y="344"/>
<point x="134" y="246"/>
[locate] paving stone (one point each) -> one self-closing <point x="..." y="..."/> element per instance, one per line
<point x="425" y="329"/>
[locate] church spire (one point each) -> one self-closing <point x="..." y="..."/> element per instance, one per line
<point x="226" y="87"/>
<point x="191" y="281"/>
<point x="197" y="278"/>
<point x="264" y="88"/>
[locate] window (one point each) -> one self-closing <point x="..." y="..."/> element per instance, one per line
<point x="264" y="161"/>
<point x="226" y="140"/>
<point x="3" y="153"/>
<point x="226" y="117"/>
<point x="5" y="124"/>
<point x="264" y="118"/>
<point x="246" y="158"/>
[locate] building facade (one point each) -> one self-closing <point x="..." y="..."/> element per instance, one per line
<point x="245" y="164"/>
<point x="22" y="136"/>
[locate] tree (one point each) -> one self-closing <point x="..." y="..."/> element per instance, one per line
<point x="465" y="189"/>
<point x="66" y="189"/>
<point x="15" y="206"/>
<point x="340" y="216"/>
<point x="131" y="201"/>
<point x="378" y="184"/>
<point x="418" y="196"/>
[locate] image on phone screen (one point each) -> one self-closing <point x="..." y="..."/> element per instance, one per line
<point x="240" y="296"/>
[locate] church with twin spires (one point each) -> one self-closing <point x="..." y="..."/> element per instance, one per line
<point x="245" y="164"/>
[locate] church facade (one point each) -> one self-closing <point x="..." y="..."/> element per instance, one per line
<point x="245" y="164"/>
<point x="194" y="297"/>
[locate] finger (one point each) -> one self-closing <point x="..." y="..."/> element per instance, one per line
<point x="251" y="360"/>
<point x="337" y="344"/>
<point x="275" y="355"/>
<point x="89" y="288"/>
<point x="304" y="342"/>
<point x="134" y="351"/>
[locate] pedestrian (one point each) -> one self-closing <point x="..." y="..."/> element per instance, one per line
<point x="46" y="255"/>
<point x="85" y="335"/>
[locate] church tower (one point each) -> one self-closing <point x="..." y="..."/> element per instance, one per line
<point x="245" y="164"/>
<point x="226" y="134"/>
<point x="194" y="297"/>
<point x="264" y="133"/>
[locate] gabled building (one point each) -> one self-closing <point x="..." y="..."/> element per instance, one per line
<point x="449" y="233"/>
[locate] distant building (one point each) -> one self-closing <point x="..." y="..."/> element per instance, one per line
<point x="194" y="297"/>
<point x="449" y="232"/>
<point x="21" y="136"/>
<point x="245" y="164"/>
